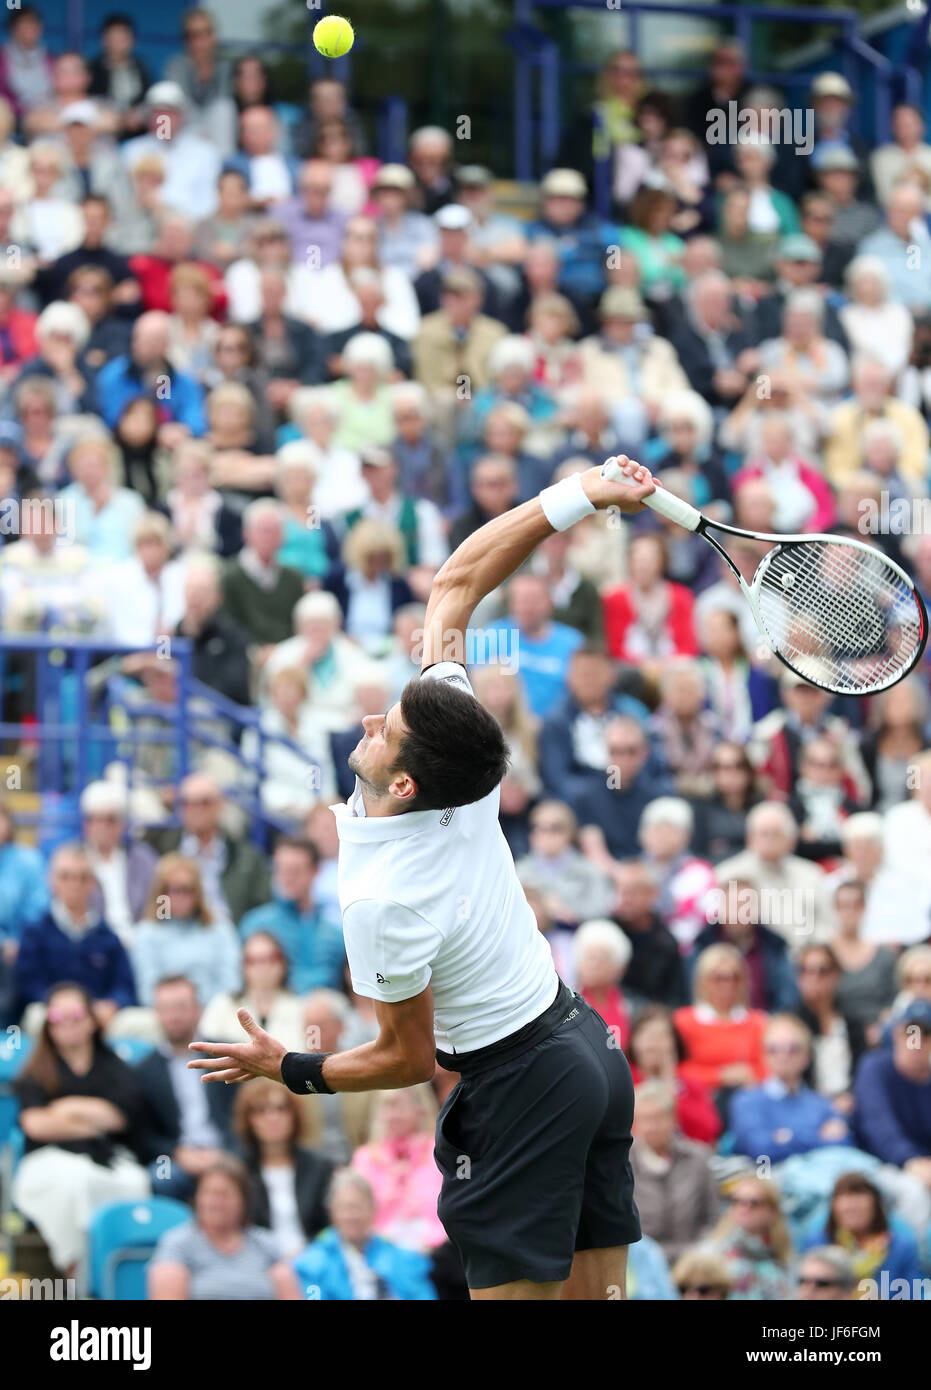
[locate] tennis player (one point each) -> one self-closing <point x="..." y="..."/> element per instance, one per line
<point x="533" y="1142"/>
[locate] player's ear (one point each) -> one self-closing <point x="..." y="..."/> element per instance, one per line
<point x="403" y="786"/>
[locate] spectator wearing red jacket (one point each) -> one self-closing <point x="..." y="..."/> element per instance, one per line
<point x="174" y="246"/>
<point x="656" y="1053"/>
<point x="17" y="331"/>
<point x="649" y="619"/>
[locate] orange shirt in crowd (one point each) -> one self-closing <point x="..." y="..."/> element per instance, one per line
<point x="713" y="1043"/>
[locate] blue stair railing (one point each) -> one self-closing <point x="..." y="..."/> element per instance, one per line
<point x="87" y="715"/>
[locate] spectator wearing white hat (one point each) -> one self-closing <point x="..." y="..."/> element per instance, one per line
<point x="832" y="100"/>
<point x="123" y="870"/>
<point x="91" y="164"/>
<point x="455" y="224"/>
<point x="407" y="238"/>
<point x="191" y="163"/>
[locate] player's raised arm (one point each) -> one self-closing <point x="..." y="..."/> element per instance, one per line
<point x="493" y="552"/>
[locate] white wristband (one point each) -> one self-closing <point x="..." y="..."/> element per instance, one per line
<point x="565" y="503"/>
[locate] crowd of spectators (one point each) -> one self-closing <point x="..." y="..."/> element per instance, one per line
<point x="254" y="387"/>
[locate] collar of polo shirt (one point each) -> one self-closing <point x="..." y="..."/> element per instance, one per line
<point x="369" y="829"/>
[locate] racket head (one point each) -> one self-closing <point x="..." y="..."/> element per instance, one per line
<point x="839" y="613"/>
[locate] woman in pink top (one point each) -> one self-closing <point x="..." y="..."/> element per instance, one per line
<point x="399" y="1167"/>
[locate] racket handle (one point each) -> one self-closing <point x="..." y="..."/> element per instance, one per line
<point x="666" y="503"/>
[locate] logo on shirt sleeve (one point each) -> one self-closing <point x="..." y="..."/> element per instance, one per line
<point x="381" y="979"/>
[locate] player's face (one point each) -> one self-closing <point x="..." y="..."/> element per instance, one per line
<point x="375" y="755"/>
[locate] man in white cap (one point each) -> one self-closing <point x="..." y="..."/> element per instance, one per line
<point x="192" y="164"/>
<point x="454" y="224"/>
<point x="91" y="166"/>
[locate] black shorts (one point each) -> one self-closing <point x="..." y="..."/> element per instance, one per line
<point x="535" y="1155"/>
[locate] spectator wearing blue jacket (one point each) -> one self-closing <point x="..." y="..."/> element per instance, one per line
<point x="146" y="373"/>
<point x="23" y="899"/>
<point x="881" y="1250"/>
<point x="892" y="1091"/>
<point x="310" y="935"/>
<point x="71" y="942"/>
<point x="580" y="237"/>
<point x="783" y="1116"/>
<point x="348" y="1263"/>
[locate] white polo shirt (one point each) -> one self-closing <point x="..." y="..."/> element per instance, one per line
<point x="432" y="898"/>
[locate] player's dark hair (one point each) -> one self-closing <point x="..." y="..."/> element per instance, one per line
<point x="453" y="749"/>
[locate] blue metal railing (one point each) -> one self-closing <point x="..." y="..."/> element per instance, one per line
<point x="536" y="136"/>
<point x="84" y="714"/>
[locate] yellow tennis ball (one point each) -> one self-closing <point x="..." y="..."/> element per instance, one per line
<point x="333" y="36"/>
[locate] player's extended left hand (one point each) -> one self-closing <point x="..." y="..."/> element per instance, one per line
<point x="261" y="1056"/>
<point x="625" y="496"/>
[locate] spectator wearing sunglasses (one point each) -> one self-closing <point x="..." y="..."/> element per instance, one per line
<point x="723" y="1037"/>
<point x="825" y="1274"/>
<point x="838" y="1038"/>
<point x="879" y="1249"/>
<point x="182" y="936"/>
<point x="783" y="1116"/>
<point x="721" y="816"/>
<point x="700" y="1274"/>
<point x="754" y="1242"/>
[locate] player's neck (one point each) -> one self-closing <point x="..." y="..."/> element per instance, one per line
<point x="376" y="805"/>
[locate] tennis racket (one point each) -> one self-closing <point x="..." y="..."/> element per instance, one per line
<point x="837" y="612"/>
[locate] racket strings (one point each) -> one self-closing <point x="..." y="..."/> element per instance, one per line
<point x="840" y="616"/>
